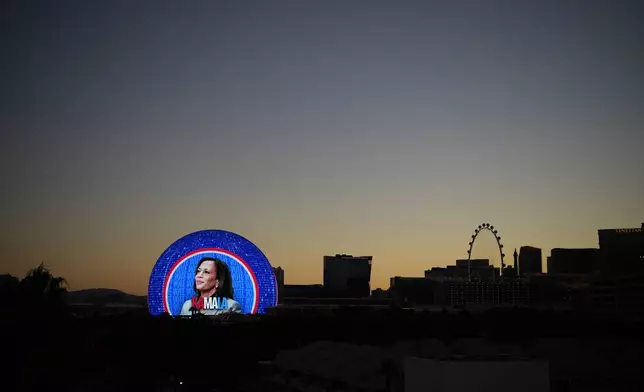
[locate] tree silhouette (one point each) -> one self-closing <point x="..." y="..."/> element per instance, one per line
<point x="41" y="290"/>
<point x="9" y="297"/>
<point x="37" y="322"/>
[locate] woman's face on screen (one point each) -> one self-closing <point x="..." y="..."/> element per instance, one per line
<point x="205" y="279"/>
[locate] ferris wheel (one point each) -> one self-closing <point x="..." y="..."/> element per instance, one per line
<point x="484" y="227"/>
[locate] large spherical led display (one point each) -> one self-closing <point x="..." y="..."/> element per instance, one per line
<point x="211" y="272"/>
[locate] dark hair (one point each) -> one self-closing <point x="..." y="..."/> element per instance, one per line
<point x="222" y="273"/>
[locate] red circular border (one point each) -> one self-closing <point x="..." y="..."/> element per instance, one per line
<point x="227" y="252"/>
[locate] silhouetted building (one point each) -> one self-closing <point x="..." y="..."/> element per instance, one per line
<point x="551" y="291"/>
<point x="475" y="263"/>
<point x="617" y="295"/>
<point x="439" y="273"/>
<point x="410" y="291"/>
<point x="304" y="291"/>
<point x="380" y="293"/>
<point x="460" y="270"/>
<point x="621" y="251"/>
<point x="530" y="261"/>
<point x="348" y="274"/>
<point x="479" y="270"/>
<point x="330" y="306"/>
<point x="516" y="262"/>
<point x="486" y="293"/>
<point x="509" y="273"/>
<point x="279" y="277"/>
<point x="573" y="261"/>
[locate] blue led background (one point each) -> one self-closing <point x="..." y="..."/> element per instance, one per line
<point x="180" y="287"/>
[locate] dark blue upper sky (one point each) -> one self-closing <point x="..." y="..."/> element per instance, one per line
<point x="389" y="128"/>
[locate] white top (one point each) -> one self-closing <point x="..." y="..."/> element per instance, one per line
<point x="233" y="307"/>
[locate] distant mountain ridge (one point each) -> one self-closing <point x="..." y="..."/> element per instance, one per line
<point x="101" y="296"/>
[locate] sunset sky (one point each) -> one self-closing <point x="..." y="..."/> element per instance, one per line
<point x="384" y="128"/>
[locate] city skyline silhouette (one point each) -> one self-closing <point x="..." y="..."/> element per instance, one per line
<point x="322" y="196"/>
<point x="376" y="128"/>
